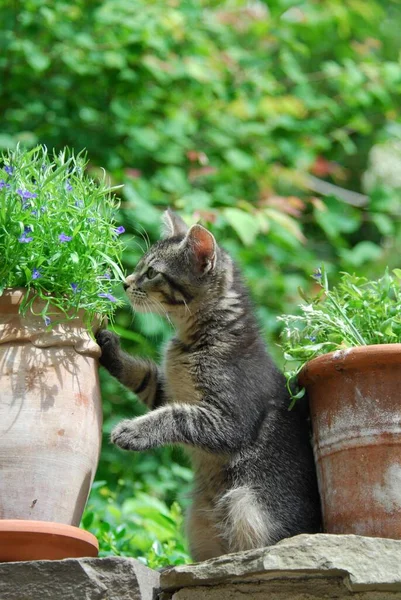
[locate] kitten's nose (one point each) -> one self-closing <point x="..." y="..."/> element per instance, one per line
<point x="125" y="286"/>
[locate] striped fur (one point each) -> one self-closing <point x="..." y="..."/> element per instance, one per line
<point x="219" y="394"/>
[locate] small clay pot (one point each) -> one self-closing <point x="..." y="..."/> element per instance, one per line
<point x="50" y="415"/>
<point x="355" y="403"/>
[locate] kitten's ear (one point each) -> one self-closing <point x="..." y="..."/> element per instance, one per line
<point x="173" y="224"/>
<point x="203" y="246"/>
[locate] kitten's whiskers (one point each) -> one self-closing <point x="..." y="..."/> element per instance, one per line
<point x="144" y="236"/>
<point x="136" y="242"/>
<point x="187" y="307"/>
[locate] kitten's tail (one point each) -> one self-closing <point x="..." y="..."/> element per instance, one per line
<point x="244" y="524"/>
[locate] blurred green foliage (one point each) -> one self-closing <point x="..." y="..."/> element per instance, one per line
<point x="232" y="113"/>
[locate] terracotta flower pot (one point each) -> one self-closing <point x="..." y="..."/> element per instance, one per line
<point x="355" y="401"/>
<point x="50" y="425"/>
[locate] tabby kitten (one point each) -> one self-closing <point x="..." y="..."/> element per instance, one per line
<point x="218" y="393"/>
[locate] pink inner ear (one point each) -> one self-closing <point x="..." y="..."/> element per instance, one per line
<point x="202" y="243"/>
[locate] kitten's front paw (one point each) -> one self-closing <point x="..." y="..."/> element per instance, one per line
<point x="107" y="340"/>
<point x="129" y="435"/>
<point x="109" y="343"/>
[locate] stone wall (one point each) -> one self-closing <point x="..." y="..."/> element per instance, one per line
<point x="306" y="567"/>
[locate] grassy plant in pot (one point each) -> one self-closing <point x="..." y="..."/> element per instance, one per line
<point x="59" y="260"/>
<point x="348" y="358"/>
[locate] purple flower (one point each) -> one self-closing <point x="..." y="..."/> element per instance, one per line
<point x="9" y="170"/>
<point x="68" y="186"/>
<point x="106" y="276"/>
<point x="79" y="204"/>
<point x="47" y="320"/>
<point x="119" y="230"/>
<point x="36" y="274"/>
<point x="25" y="194"/>
<point x="4" y="184"/>
<point x="91" y="220"/>
<point x="317" y="274"/>
<point x="64" y="238"/>
<point x="108" y="296"/>
<point x="75" y="288"/>
<point x="24" y="239"/>
<point x="36" y="212"/>
<point x="312" y="338"/>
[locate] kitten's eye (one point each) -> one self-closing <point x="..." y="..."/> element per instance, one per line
<point x="151" y="273"/>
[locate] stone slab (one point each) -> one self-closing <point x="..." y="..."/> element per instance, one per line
<point x="362" y="564"/>
<point x="282" y="590"/>
<point x="306" y="567"/>
<point x="110" y="578"/>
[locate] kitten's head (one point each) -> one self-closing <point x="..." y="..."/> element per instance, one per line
<point x="181" y="269"/>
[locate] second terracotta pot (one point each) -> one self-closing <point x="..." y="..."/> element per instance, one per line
<point x="355" y="401"/>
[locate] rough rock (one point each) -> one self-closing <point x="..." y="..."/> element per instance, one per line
<point x="113" y="578"/>
<point x="305" y="566"/>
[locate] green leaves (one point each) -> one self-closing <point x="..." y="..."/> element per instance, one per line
<point x="133" y="522"/>
<point x="239" y="159"/>
<point x="244" y="224"/>
<point x="337" y="219"/>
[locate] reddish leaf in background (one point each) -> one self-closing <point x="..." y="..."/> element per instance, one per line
<point x="202" y="172"/>
<point x="195" y="156"/>
<point x="206" y="215"/>
<point x="291" y="205"/>
<point x="323" y="167"/>
<point x="133" y="173"/>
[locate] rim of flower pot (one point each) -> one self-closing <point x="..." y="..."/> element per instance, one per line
<point x="29" y="327"/>
<point x="13" y="297"/>
<point x="15" y="294"/>
<point x="348" y="359"/>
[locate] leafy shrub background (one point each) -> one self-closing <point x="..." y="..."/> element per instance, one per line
<point x="233" y="113"/>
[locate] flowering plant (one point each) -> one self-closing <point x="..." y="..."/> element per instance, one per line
<point x="58" y="236"/>
<point x="357" y="312"/>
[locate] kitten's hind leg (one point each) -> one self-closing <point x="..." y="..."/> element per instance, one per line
<point x="202" y="533"/>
